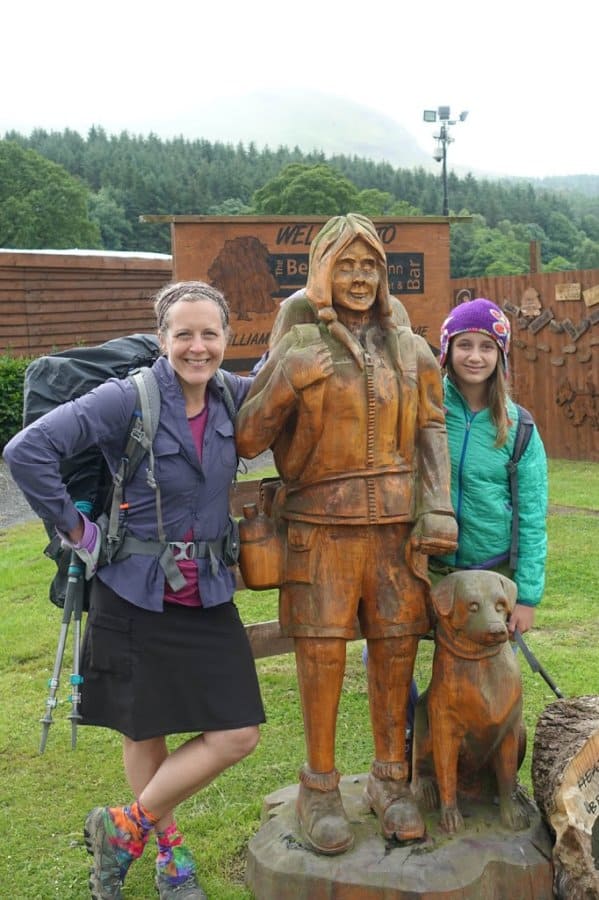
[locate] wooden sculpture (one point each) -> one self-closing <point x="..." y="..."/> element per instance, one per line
<point x="350" y="400"/>
<point x="469" y="737"/>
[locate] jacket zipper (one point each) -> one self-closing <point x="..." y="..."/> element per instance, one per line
<point x="371" y="416"/>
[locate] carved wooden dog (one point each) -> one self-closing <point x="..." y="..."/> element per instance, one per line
<point x="468" y="734"/>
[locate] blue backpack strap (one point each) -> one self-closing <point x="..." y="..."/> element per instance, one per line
<point x="521" y="442"/>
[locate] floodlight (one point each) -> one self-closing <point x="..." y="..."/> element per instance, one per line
<point x="443" y="137"/>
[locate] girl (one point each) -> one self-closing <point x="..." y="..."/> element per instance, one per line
<point x="481" y="427"/>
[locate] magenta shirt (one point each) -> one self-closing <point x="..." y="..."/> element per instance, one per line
<point x="190" y="594"/>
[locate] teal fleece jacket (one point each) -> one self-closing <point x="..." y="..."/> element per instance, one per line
<point x="481" y="498"/>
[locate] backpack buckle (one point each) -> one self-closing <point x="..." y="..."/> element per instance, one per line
<point x="183" y="550"/>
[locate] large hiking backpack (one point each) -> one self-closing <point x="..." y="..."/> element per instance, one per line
<point x="57" y="378"/>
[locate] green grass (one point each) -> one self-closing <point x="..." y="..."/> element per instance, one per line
<point x="44" y="798"/>
<point x="573" y="483"/>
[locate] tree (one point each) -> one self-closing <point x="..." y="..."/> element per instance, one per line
<point x="233" y="206"/>
<point x="41" y="205"/>
<point x="108" y="214"/>
<point x="558" y="264"/>
<point x="372" y="202"/>
<point x="500" y="254"/>
<point x="587" y="255"/>
<point x="304" y="190"/>
<point x="562" y="233"/>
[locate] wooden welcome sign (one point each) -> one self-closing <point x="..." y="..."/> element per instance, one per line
<point x="258" y="261"/>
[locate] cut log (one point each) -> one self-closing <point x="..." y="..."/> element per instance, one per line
<point x="565" y="778"/>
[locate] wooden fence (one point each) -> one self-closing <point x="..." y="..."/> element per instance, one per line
<point x="54" y="300"/>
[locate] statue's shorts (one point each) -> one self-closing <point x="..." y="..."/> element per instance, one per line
<point x="339" y="575"/>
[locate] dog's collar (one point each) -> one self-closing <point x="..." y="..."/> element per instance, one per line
<point x="465" y="648"/>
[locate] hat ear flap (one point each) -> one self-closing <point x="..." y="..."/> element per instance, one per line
<point x="443" y="595"/>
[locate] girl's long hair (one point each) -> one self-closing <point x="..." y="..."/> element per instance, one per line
<point x="497" y="397"/>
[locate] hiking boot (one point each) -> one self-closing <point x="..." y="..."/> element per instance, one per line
<point x="111" y="863"/>
<point x="322" y="819"/>
<point x="395" y="807"/>
<point x="187" y="890"/>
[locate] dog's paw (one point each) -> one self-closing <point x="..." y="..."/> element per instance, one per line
<point x="451" y="819"/>
<point x="426" y="792"/>
<point x="514" y="814"/>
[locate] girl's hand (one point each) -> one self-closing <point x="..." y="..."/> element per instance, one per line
<point x="522" y="618"/>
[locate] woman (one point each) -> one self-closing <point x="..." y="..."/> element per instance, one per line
<point x="481" y="427"/>
<point x="158" y="661"/>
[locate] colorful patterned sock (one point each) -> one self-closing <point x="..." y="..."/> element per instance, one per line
<point x="128" y="829"/>
<point x="175" y="862"/>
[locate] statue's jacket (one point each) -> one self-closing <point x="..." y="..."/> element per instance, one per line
<point x="364" y="446"/>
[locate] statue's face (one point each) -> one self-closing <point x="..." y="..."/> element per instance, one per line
<point x="356" y="277"/>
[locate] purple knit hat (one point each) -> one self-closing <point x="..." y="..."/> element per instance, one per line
<point x="476" y="315"/>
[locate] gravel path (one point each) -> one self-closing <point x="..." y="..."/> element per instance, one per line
<point x="14" y="509"/>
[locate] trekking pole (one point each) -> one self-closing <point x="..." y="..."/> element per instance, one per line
<point x="75" y="584"/>
<point x="535" y="665"/>
<point x="54" y="681"/>
<point x="74" y="578"/>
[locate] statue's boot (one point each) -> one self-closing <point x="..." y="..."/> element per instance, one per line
<point x="323" y="821"/>
<point x="392" y="801"/>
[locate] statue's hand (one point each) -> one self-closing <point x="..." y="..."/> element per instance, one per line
<point x="308" y="364"/>
<point x="435" y="534"/>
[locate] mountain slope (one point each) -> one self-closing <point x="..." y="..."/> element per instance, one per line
<point x="308" y="120"/>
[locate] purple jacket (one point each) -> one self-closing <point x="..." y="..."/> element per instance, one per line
<point x="195" y="496"/>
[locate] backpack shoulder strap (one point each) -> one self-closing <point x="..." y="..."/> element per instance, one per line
<point x="521" y="442"/>
<point x="227" y="394"/>
<point x="523" y="434"/>
<point x="142" y="431"/>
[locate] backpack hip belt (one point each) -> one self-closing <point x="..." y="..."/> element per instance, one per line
<point x="181" y="550"/>
<point x="169" y="553"/>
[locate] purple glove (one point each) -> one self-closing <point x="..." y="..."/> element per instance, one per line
<point x="88" y="548"/>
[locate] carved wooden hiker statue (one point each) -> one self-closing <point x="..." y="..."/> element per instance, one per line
<point x="350" y="401"/>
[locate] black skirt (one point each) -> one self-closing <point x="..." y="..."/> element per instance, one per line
<point x="187" y="669"/>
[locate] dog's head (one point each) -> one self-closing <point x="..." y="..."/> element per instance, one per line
<point x="475" y="604"/>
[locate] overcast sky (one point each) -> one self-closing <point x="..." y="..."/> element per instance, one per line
<point x="525" y="70"/>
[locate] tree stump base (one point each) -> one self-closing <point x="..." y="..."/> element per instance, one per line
<point x="565" y="777"/>
<point x="485" y="860"/>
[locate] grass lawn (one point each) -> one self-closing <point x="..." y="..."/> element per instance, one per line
<point x="44" y="798"/>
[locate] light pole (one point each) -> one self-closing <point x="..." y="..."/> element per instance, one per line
<point x="443" y="138"/>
